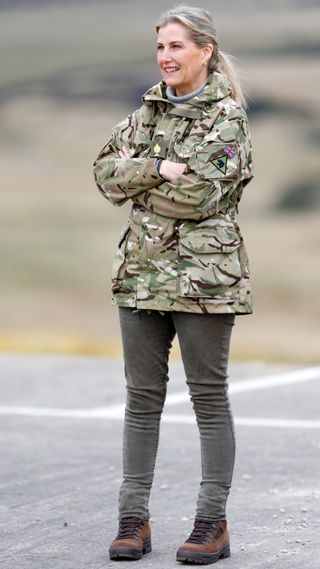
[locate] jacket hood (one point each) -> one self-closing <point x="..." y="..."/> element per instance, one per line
<point x="217" y="87"/>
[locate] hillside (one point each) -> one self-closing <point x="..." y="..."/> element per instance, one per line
<point x="72" y="70"/>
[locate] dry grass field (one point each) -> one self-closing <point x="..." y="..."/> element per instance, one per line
<point x="68" y="76"/>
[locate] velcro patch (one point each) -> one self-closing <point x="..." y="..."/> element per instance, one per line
<point x="158" y="148"/>
<point x="220" y="163"/>
<point x="230" y="151"/>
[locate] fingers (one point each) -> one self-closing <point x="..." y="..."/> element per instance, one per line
<point x="172" y="170"/>
<point x="180" y="168"/>
<point x="169" y="170"/>
<point x="126" y="152"/>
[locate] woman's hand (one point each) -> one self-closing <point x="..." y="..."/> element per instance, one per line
<point x="171" y="170"/>
<point x="126" y="152"/>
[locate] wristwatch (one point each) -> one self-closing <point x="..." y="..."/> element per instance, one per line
<point x="158" y="163"/>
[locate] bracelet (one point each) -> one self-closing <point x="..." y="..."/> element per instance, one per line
<point x="158" y="163"/>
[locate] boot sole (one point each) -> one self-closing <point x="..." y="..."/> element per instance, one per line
<point x="186" y="556"/>
<point x="130" y="552"/>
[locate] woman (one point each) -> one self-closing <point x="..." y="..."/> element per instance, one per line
<point x="182" y="159"/>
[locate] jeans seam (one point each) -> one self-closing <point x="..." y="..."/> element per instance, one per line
<point x="165" y="340"/>
<point x="223" y="337"/>
<point x="227" y="400"/>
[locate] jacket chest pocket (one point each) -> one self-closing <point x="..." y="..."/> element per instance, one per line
<point x="141" y="145"/>
<point x="209" y="261"/>
<point x="191" y="136"/>
<point x="185" y="150"/>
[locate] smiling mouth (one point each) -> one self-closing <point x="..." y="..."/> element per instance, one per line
<point x="170" y="69"/>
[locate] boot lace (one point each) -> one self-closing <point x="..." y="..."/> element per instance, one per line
<point x="201" y="531"/>
<point x="129" y="527"/>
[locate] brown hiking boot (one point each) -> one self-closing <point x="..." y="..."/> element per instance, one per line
<point x="133" y="539"/>
<point x="208" y="542"/>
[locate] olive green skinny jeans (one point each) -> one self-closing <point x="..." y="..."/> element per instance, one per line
<point x="204" y="343"/>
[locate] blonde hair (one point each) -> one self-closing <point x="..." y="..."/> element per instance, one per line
<point x="199" y="24"/>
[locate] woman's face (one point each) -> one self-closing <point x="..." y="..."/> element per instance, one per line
<point x="180" y="60"/>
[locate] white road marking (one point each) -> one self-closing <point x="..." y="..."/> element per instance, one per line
<point x="255" y="384"/>
<point x="117" y="414"/>
<point x="112" y="412"/>
<point x="276" y="380"/>
<point x="279" y="423"/>
<point x="250" y="422"/>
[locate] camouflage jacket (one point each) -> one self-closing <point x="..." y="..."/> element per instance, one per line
<point x="181" y="248"/>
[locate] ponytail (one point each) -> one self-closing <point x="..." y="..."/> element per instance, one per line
<point x="225" y="66"/>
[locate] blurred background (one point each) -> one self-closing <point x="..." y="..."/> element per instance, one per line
<point x="71" y="70"/>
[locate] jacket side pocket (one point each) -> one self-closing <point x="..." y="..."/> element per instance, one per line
<point x="209" y="260"/>
<point x="119" y="262"/>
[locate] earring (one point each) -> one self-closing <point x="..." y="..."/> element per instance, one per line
<point x="205" y="63"/>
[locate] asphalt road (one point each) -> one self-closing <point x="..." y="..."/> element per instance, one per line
<point x="60" y="445"/>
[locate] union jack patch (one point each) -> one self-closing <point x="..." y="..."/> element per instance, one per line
<point x="230" y="151"/>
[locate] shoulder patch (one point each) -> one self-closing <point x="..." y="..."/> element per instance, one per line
<point x="220" y="163"/>
<point x="230" y="151"/>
